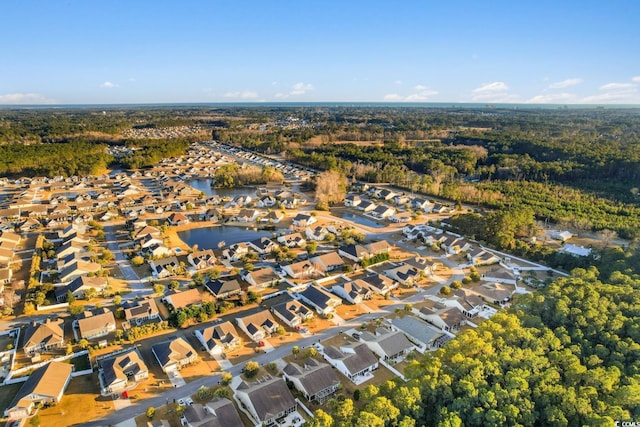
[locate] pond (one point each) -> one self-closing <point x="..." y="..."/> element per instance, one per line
<point x="209" y="237"/>
<point x="361" y="220"/>
<point x="204" y="185"/>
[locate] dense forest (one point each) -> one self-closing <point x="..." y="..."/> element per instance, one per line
<point x="568" y="355"/>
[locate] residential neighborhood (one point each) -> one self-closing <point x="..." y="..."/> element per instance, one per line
<point x="155" y="283"/>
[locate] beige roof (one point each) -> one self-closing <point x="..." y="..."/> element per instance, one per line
<point x="95" y="323"/>
<point x="47" y="381"/>
<point x="49" y="332"/>
<point x="185" y="298"/>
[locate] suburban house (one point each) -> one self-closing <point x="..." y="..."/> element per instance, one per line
<point x="495" y="292"/>
<point x="257" y="326"/>
<point x="261" y="279"/>
<point x="479" y="256"/>
<point x="247" y="215"/>
<point x="383" y="211"/>
<point x="165" y="267"/>
<point x="575" y="250"/>
<point x="354" y="252"/>
<point x="387" y="344"/>
<point x="304" y="220"/>
<point x="218" y="339"/>
<point x="183" y="299"/>
<point x="422" y="334"/>
<point x="355" y="361"/>
<point x="177" y="218"/>
<point x="218" y="412"/>
<point x="499" y="275"/>
<point x="316" y="381"/>
<point x="45" y="336"/>
<point x="122" y="371"/>
<point x="292" y="312"/>
<point x="79" y="286"/>
<point x="366" y="206"/>
<point x="235" y="252"/>
<point x="379" y="283"/>
<point x="302" y="269"/>
<point x="449" y="318"/>
<point x="352" y="200"/>
<point x="316" y="233"/>
<point x="96" y="325"/>
<point x="273" y="217"/>
<point x="139" y="311"/>
<point x="422" y="265"/>
<point x="324" y="302"/>
<point x="353" y="292"/>
<point x="266" y="400"/>
<point x="203" y="259"/>
<point x="404" y="274"/>
<point x="45" y="385"/>
<point x="77" y="269"/>
<point x="292" y="240"/>
<point x="222" y="289"/>
<point x="263" y="245"/>
<point x="328" y="262"/>
<point x="173" y="354"/>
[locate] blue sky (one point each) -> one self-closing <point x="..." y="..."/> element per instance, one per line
<point x="79" y="51"/>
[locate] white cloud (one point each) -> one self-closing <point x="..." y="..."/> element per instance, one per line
<point x="108" y="85"/>
<point x="392" y="97"/>
<point x="492" y="88"/>
<point x="566" y="83"/>
<point x="25" y="98"/>
<point x="423" y="94"/>
<point x="301" y="88"/>
<point x="617" y="86"/>
<point x="241" y="95"/>
<point x="622" y="93"/>
<point x="493" y="92"/>
<point x="297" y="89"/>
<point x="635" y="79"/>
<point x="553" y="98"/>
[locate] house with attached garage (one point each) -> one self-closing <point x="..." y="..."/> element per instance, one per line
<point x="140" y="311"/>
<point x="219" y="338"/>
<point x="121" y="371"/>
<point x="96" y="325"/>
<point x="45" y="386"/>
<point x="218" y="412"/>
<point x="266" y="401"/>
<point x="293" y="313"/>
<point x="328" y="262"/>
<point x="222" y="289"/>
<point x="79" y="286"/>
<point x="202" y="259"/>
<point x="261" y="279"/>
<point x="263" y="245"/>
<point x="257" y="326"/>
<point x="173" y="354"/>
<point x="164" y="267"/>
<point x="315" y="380"/>
<point x="183" y="299"/>
<point x="322" y="301"/>
<point x="45" y="336"/>
<point x="304" y="220"/>
<point x="353" y="292"/>
<point x="354" y="360"/>
<point x="292" y="240"/>
<point x="387" y="344"/>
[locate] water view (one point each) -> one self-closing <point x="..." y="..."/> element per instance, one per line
<point x="210" y="237"/>
<point x="361" y="220"/>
